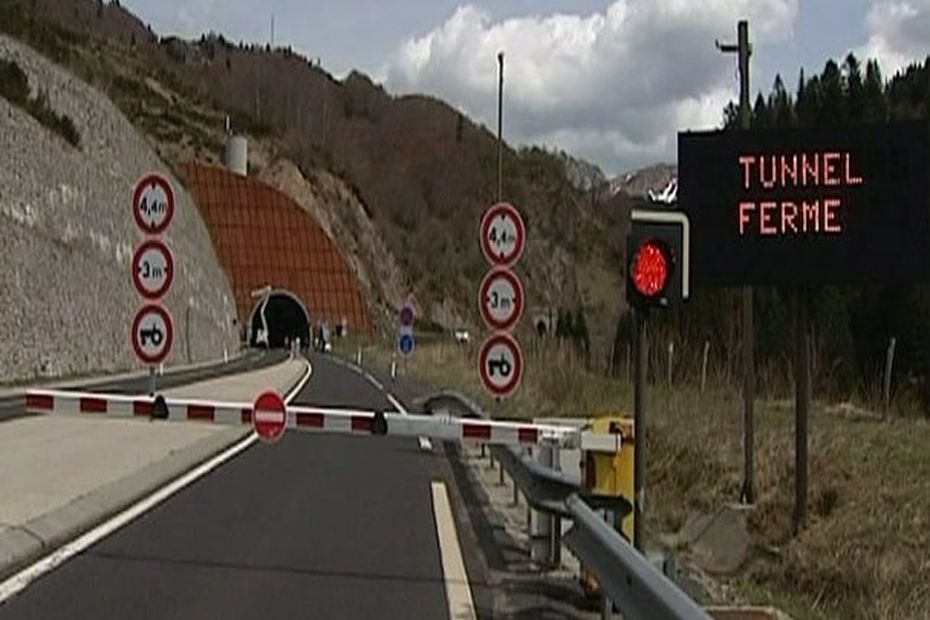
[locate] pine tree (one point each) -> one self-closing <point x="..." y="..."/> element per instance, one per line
<point x="855" y="89"/>
<point x="808" y="103"/>
<point x="875" y="105"/>
<point x="761" y="116"/>
<point x="780" y="106"/>
<point x="731" y="116"/>
<point x="832" y="109"/>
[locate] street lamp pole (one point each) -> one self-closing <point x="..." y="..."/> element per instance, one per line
<point x="500" y="127"/>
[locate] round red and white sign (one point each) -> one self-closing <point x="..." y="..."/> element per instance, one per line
<point x="153" y="204"/>
<point x="152" y="334"/>
<point x="500" y="364"/>
<point x="152" y="269"/>
<point x="269" y="417"/>
<point x="503" y="234"/>
<point x="501" y="299"/>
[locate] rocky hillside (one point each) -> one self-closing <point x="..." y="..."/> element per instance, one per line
<point x="68" y="236"/>
<point x="419" y="170"/>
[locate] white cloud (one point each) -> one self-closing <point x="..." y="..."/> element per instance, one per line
<point x="899" y="33"/>
<point x="614" y="87"/>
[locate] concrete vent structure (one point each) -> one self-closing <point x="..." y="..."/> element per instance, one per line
<point x="237" y="154"/>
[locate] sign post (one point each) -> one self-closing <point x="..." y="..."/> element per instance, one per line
<point x="501" y="299"/>
<point x="405" y="340"/>
<point x="152" y="270"/>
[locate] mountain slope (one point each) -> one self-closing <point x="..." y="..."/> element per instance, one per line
<point x="421" y="170"/>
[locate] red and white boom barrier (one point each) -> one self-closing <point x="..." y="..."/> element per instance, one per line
<point x="319" y="419"/>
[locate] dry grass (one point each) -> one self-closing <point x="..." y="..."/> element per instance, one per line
<point x="866" y="550"/>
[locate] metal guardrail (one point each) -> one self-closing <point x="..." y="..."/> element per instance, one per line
<point x="637" y="588"/>
<point x="631" y="582"/>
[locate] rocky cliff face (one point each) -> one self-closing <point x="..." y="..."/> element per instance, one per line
<point x="67" y="236"/>
<point x="638" y="184"/>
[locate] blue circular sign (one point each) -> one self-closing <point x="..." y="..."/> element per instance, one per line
<point x="406" y="344"/>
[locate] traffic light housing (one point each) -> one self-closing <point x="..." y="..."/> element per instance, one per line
<point x="657" y="258"/>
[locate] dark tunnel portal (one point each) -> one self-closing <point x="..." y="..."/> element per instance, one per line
<point x="286" y="319"/>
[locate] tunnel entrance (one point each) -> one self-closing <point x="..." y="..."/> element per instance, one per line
<point x="286" y="318"/>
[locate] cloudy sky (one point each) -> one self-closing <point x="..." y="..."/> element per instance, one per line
<point x="611" y="81"/>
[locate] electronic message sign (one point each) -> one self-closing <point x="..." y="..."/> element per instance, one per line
<point x="807" y="206"/>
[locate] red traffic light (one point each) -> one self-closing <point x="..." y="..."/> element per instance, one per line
<point x="651" y="268"/>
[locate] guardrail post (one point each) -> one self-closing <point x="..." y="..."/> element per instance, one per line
<point x="541" y="523"/>
<point x="607" y="605"/>
<point x="555" y="525"/>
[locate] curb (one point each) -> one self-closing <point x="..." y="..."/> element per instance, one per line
<point x="119" y="375"/>
<point x="24" y="544"/>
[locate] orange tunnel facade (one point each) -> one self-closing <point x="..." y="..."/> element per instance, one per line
<point x="263" y="238"/>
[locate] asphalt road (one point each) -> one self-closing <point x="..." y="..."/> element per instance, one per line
<point x="13" y="406"/>
<point x="317" y="526"/>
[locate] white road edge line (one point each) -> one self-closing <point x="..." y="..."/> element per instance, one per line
<point x="300" y="384"/>
<point x="20" y="580"/>
<point x="425" y="444"/>
<point x="458" y="592"/>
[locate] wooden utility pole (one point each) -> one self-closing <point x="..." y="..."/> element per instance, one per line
<point x="747" y="495"/>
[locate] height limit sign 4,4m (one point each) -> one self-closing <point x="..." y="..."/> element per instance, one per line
<point x="501" y="299"/>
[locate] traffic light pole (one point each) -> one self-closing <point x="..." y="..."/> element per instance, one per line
<point x="639" y="430"/>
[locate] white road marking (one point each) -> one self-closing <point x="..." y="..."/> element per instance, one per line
<point x="300" y="384"/>
<point x="425" y="443"/>
<point x="20" y="580"/>
<point x="395" y="403"/>
<point x="458" y="592"/>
